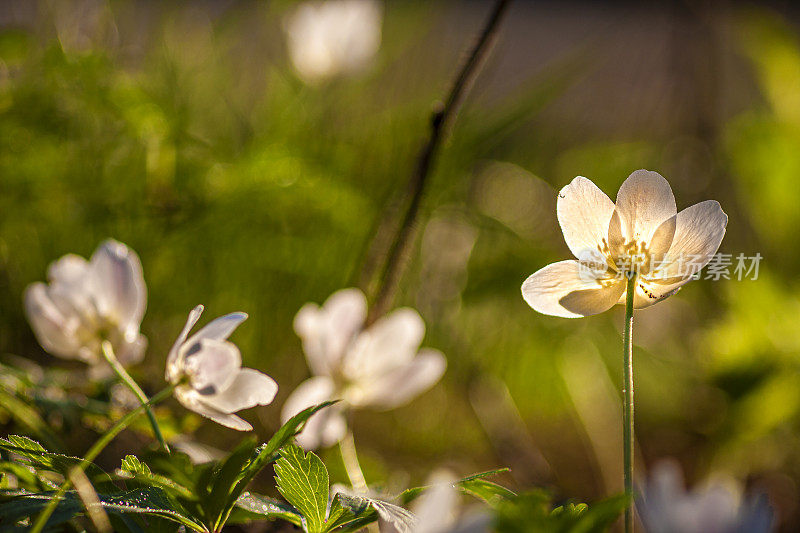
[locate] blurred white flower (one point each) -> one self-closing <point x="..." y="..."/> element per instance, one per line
<point x="642" y="234"/>
<point x="333" y="37"/>
<point x="718" y="507"/>
<point x="379" y="367"/>
<point x="207" y="370"/>
<point x="87" y="302"/>
<point x="438" y="511"/>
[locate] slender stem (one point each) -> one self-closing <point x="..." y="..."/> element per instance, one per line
<point x="627" y="407"/>
<point x="108" y="353"/>
<point x="91" y="455"/>
<point x="347" y="447"/>
<point x="441" y="121"/>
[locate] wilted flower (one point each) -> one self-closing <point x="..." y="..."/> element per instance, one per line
<point x="377" y="367"/>
<point x="333" y="37"/>
<point x="87" y="302"/>
<point x="666" y="507"/>
<point x="207" y="370"/>
<point x="643" y="235"/>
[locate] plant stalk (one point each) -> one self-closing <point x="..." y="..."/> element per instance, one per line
<point x="347" y="447"/>
<point x="627" y="406"/>
<point x="108" y="353"/>
<point x="91" y="455"/>
<point x="441" y="120"/>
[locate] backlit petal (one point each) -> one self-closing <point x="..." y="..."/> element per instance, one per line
<point x="211" y="365"/>
<point x="173" y="368"/>
<point x="249" y="388"/>
<point x="192" y="400"/>
<point x="327" y="331"/>
<point x="391" y="342"/>
<point x="48" y="323"/>
<point x="401" y="385"/>
<point x="324" y="428"/>
<point x="698" y="234"/>
<point x="584" y="212"/>
<point x="119" y="289"/>
<point x="644" y="201"/>
<point x="220" y="328"/>
<point x="567" y="290"/>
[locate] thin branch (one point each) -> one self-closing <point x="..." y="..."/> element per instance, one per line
<point x="441" y="121"/>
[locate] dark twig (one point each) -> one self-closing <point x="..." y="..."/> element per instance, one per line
<point x="441" y="121"/>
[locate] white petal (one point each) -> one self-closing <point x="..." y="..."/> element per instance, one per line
<point x="644" y="201"/>
<point x="324" y="428"/>
<point x="71" y="269"/>
<point x="390" y="342"/>
<point x="584" y="212"/>
<point x="436" y="508"/>
<point x="48" y="323"/>
<point x="567" y="290"/>
<point x="648" y="293"/>
<point x="192" y="400"/>
<point x="220" y="328"/>
<point x="130" y="352"/>
<point x="698" y="233"/>
<point x="401" y="385"/>
<point x="172" y="372"/>
<point x="119" y="289"/>
<point x="249" y="388"/>
<point x="326" y="332"/>
<point x="211" y="365"/>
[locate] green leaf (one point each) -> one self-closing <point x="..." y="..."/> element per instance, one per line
<point x="150" y="501"/>
<point x="303" y="480"/>
<point x="137" y="474"/>
<point x="251" y="506"/>
<point x="267" y="453"/>
<point x="475" y="485"/>
<point x="34" y="454"/>
<point x="223" y="483"/>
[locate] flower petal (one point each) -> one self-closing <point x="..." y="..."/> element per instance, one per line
<point x="567" y="290"/>
<point x="119" y="289"/>
<point x="644" y="201"/>
<point x="327" y="331"/>
<point x="391" y="342"/>
<point x="48" y="323"/>
<point x="192" y="400"/>
<point x="211" y="365"/>
<point x="71" y="269"/>
<point x="130" y="352"/>
<point x="402" y="384"/>
<point x="698" y="233"/>
<point x="248" y="389"/>
<point x="584" y="212"/>
<point x="324" y="428"/>
<point x="172" y="373"/>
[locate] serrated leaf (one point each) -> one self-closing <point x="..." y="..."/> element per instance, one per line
<point x="133" y="465"/>
<point x="267" y="453"/>
<point x="137" y="474"/>
<point x="303" y="480"/>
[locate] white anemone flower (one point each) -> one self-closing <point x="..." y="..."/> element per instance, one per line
<point x="716" y="507"/>
<point x="87" y="302"/>
<point x="207" y="370"/>
<point x="380" y="366"/>
<point x="642" y="235"/>
<point x="333" y="37"/>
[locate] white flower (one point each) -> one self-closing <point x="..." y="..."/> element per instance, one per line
<point x="333" y="37"/>
<point x="642" y="235"/>
<point x="666" y="507"/>
<point x="207" y="370"/>
<point x="86" y="302"/>
<point x="377" y="367"/>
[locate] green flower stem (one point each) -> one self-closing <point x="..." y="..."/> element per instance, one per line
<point x="91" y="455"/>
<point x="108" y="353"/>
<point x="347" y="447"/>
<point x="627" y="407"/>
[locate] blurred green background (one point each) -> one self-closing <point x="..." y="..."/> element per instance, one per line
<point x="182" y="130"/>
